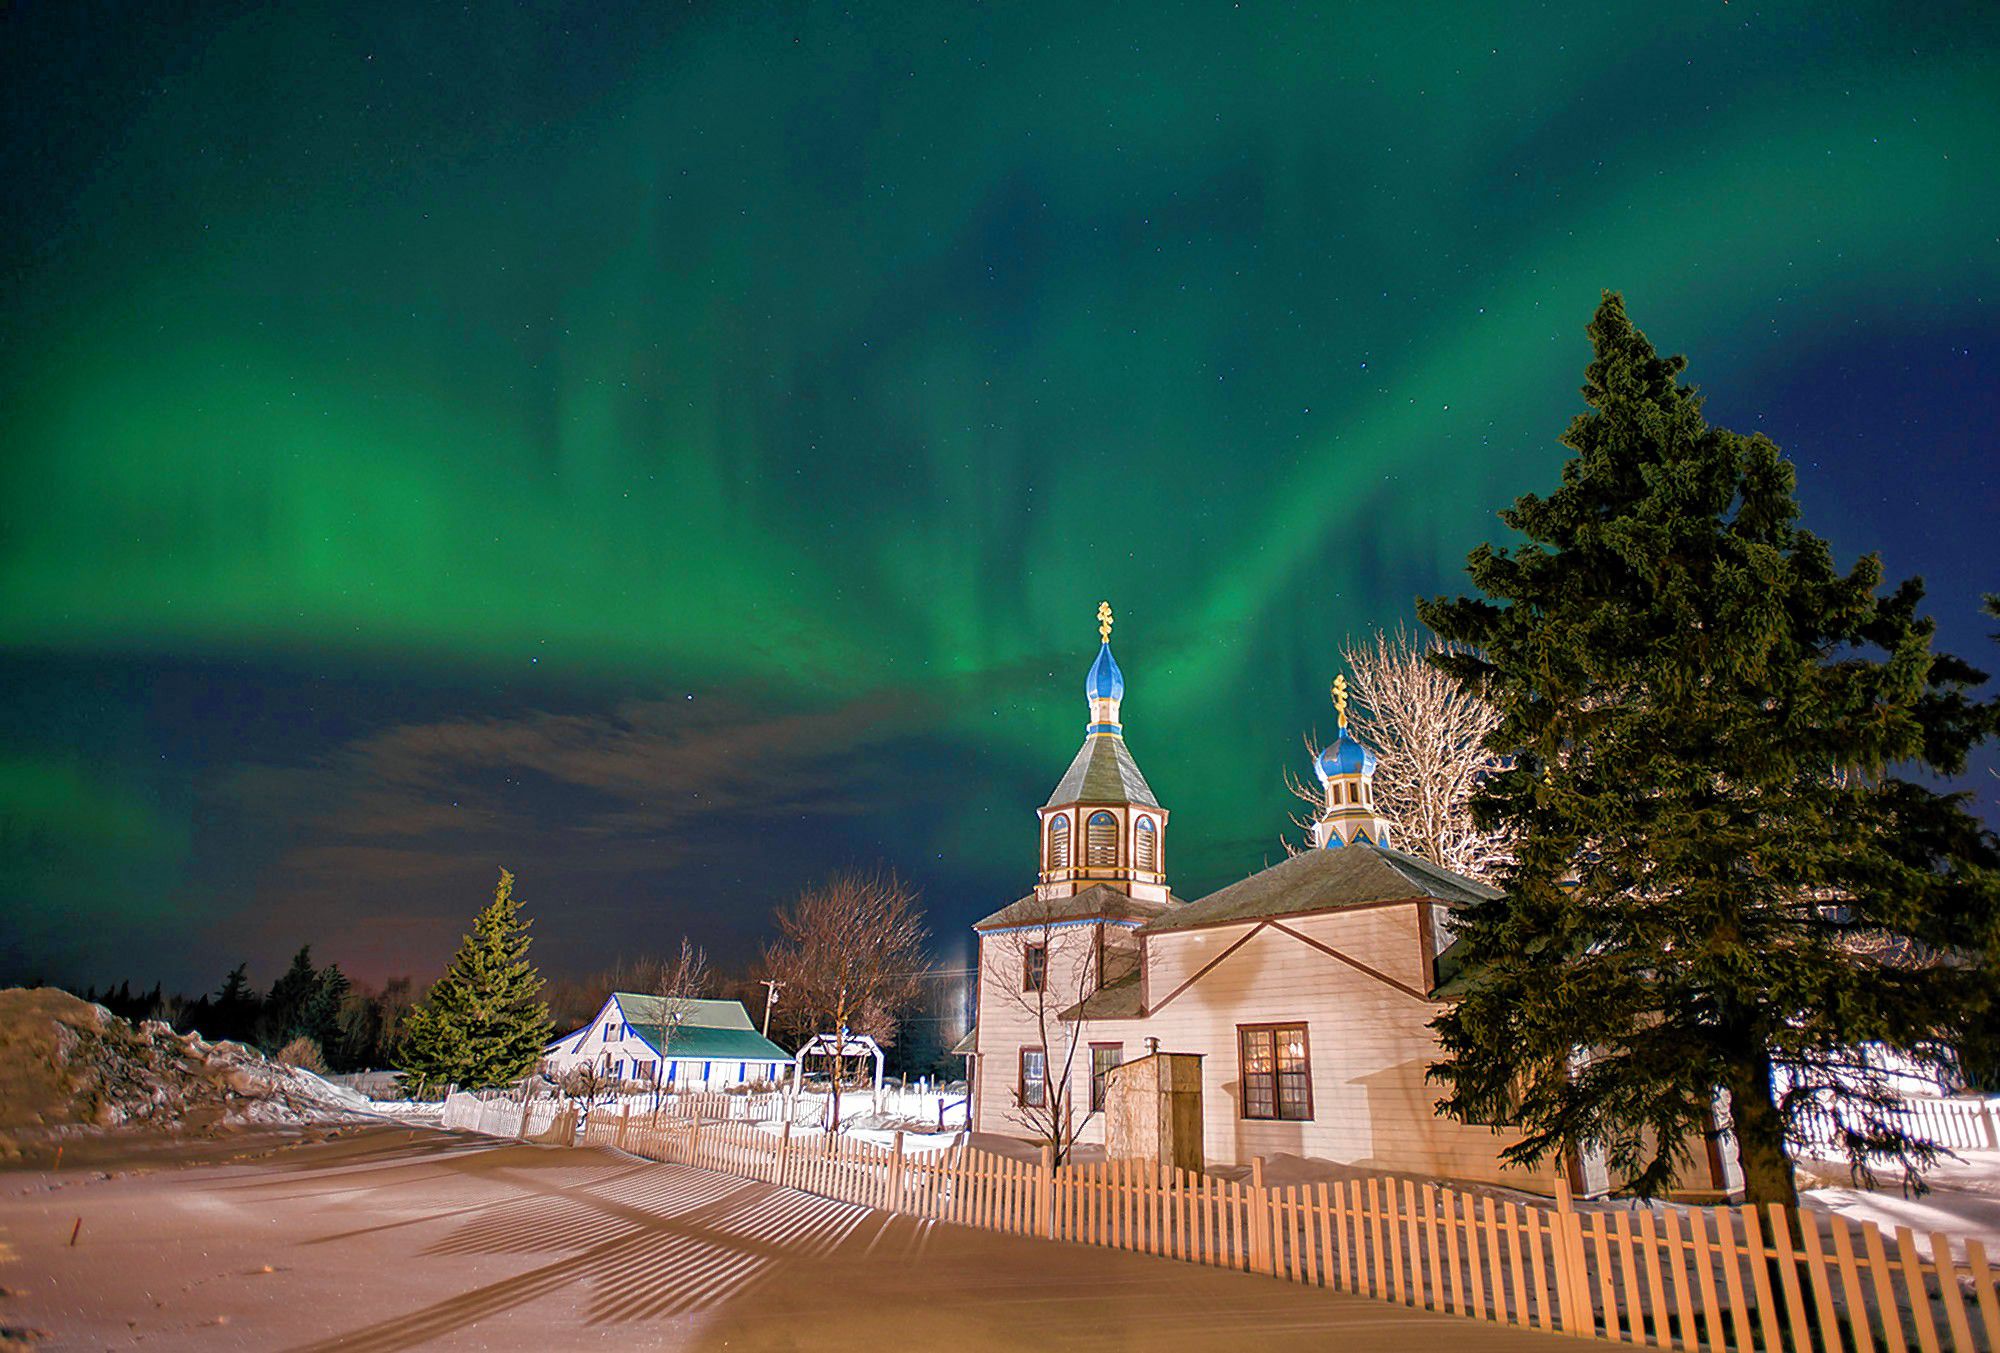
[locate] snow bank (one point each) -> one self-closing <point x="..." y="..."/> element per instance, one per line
<point x="68" y="1066"/>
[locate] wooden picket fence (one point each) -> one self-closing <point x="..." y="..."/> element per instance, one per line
<point x="1730" y="1279"/>
<point x="1955" y="1124"/>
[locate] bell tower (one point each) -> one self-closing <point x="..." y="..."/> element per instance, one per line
<point x="1102" y="824"/>
<point x="1346" y="771"/>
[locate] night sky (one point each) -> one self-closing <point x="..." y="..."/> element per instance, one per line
<point x="674" y="454"/>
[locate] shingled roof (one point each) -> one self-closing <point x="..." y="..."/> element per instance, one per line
<point x="1094" y="903"/>
<point x="1103" y="772"/>
<point x="1327" y="880"/>
<point x="1117" y="999"/>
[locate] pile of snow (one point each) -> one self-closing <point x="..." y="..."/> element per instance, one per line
<point x="66" y="1065"/>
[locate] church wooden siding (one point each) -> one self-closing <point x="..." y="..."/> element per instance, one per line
<point x="1368" y="1039"/>
<point x="1006" y="1026"/>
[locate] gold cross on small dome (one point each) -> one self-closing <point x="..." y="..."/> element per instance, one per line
<point x="1340" y="698"/>
<point x="1104" y="621"/>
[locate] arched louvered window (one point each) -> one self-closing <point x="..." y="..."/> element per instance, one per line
<point x="1059" y="841"/>
<point x="1100" y="842"/>
<point x="1145" y="844"/>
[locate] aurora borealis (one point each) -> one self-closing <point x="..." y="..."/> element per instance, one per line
<point x="674" y="455"/>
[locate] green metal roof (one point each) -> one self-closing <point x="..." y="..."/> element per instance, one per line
<point x="1103" y="772"/>
<point x="707" y="1030"/>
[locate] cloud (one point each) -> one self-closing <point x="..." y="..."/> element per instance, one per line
<point x="596" y="810"/>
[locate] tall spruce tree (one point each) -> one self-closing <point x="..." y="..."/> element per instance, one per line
<point x="1728" y="877"/>
<point x="285" y="1007"/>
<point x="483" y="1023"/>
<point x="319" y="1016"/>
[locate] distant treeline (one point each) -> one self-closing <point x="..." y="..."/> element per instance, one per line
<point x="344" y="1027"/>
<point x="353" y="1028"/>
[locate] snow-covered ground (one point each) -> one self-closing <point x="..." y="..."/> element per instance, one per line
<point x="408" y="1110"/>
<point x="1963" y="1202"/>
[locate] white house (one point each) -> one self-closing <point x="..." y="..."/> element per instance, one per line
<point x="1308" y="988"/>
<point x="711" y="1046"/>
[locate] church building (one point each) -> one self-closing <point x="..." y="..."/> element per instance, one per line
<point x="1307" y="989"/>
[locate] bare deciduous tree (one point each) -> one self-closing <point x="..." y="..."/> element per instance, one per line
<point x="1046" y="969"/>
<point x="683" y="980"/>
<point x="850" y="952"/>
<point x="1429" y="737"/>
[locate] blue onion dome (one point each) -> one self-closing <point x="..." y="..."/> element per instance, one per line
<point x="1345" y="755"/>
<point x="1105" y="681"/>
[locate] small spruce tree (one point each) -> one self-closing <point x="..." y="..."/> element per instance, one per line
<point x="483" y="1023"/>
<point x="1728" y="874"/>
<point x="237" y="1005"/>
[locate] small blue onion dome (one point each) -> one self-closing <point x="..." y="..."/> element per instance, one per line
<point x="1105" y="681"/>
<point x="1345" y="755"/>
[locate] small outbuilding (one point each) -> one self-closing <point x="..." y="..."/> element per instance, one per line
<point x="671" y="1045"/>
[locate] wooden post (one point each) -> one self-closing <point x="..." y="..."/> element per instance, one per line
<point x="1260" y="1220"/>
<point x="785" y="1154"/>
<point x="527" y="1106"/>
<point x="1045" y="1193"/>
<point x="694" y="1142"/>
<point x="624" y="1125"/>
<point x="1572" y="1288"/>
<point x="894" y="1193"/>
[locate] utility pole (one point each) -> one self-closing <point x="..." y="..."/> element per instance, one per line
<point x="770" y="999"/>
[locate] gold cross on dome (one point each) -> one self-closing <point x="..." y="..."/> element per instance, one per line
<point x="1340" y="698"/>
<point x="1104" y="621"/>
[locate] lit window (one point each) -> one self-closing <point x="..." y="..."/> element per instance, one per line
<point x="1145" y="844"/>
<point x="1059" y="841"/>
<point x="1103" y="1056"/>
<point x="1034" y="1089"/>
<point x="1100" y="842"/>
<point x="1277" y="1071"/>
<point x="1034" y="967"/>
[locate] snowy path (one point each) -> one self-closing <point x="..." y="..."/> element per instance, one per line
<point x="390" y="1239"/>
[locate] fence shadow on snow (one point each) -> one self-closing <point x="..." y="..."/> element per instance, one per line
<point x="1727" y="1278"/>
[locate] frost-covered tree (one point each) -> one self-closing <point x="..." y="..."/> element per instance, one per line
<point x="850" y="953"/>
<point x="483" y="1023"/>
<point x="683" y="980"/>
<point x="1720" y="743"/>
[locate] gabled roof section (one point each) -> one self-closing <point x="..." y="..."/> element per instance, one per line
<point x="707" y="1030"/>
<point x="698" y="1014"/>
<point x="1327" y="880"/>
<point x="1095" y="903"/>
<point x="1103" y="772"/>
<point x="967" y="1045"/>
<point x="1114" y="1000"/>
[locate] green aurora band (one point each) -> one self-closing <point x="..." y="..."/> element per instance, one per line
<point x="813" y="357"/>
